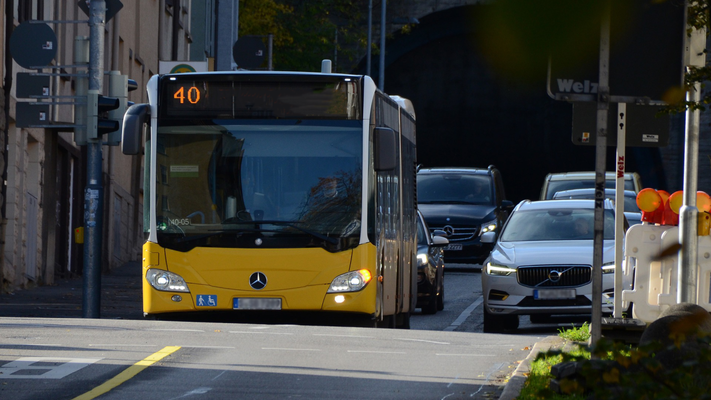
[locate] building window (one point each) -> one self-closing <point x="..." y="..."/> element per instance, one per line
<point x="28" y="10"/>
<point x="24" y="10"/>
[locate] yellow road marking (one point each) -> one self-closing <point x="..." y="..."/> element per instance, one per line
<point x="128" y="373"/>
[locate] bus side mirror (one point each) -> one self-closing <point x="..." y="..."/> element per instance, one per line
<point x="385" y="154"/>
<point x="132" y="133"/>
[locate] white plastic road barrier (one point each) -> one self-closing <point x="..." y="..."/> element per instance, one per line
<point x="656" y="281"/>
<point x="643" y="243"/>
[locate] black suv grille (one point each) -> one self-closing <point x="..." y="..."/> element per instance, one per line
<point x="459" y="234"/>
<point x="555" y="275"/>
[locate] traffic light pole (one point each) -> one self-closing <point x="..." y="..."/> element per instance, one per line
<point x="94" y="192"/>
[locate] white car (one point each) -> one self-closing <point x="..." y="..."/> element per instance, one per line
<point x="555" y="182"/>
<point x="631" y="209"/>
<point x="541" y="264"/>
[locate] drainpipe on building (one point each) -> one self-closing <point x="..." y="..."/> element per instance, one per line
<point x="177" y="9"/>
<point x="7" y="86"/>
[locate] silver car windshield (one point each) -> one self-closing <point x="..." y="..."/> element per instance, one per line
<point x="555" y="224"/>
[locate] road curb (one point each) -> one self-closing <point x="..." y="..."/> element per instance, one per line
<point x="518" y="378"/>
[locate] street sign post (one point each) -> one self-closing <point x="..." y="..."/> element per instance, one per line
<point x="30" y="114"/>
<point x="112" y="7"/>
<point x="32" y="86"/>
<point x="248" y="52"/>
<point x="639" y="61"/>
<point x="646" y="126"/>
<point x="33" y="44"/>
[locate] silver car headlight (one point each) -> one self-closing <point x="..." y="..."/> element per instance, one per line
<point x="608" y="268"/>
<point x="350" y="281"/>
<point x="487" y="227"/>
<point x="421" y="259"/>
<point x="500" y="270"/>
<point x="166" y="281"/>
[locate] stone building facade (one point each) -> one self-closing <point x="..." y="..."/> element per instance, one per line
<point x="42" y="202"/>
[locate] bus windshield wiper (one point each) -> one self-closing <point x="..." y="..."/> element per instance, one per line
<point x="211" y="234"/>
<point x="294" y="224"/>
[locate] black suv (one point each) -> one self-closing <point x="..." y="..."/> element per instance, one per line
<point x="464" y="203"/>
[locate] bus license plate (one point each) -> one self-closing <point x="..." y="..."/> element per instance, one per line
<point x="256" y="304"/>
<point x="453" y="247"/>
<point x="554" y="294"/>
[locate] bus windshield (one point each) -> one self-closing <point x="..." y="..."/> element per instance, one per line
<point x="259" y="183"/>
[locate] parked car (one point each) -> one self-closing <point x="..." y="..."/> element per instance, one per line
<point x="430" y="268"/>
<point x="556" y="182"/>
<point x="464" y="203"/>
<point x="631" y="209"/>
<point x="541" y="264"/>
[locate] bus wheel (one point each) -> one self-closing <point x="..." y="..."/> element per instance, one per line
<point x="387" y="322"/>
<point x="403" y="320"/>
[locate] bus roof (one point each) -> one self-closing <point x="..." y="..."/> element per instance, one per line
<point x="404" y="103"/>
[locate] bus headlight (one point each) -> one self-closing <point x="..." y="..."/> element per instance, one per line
<point x="350" y="282"/>
<point x="166" y="281"/>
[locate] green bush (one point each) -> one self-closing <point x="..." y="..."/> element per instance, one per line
<point x="613" y="370"/>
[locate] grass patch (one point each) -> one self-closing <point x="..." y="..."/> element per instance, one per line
<point x="574" y="334"/>
<point x="537" y="382"/>
<point x="538" y="379"/>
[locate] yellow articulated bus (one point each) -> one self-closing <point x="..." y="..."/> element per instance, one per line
<point x="288" y="191"/>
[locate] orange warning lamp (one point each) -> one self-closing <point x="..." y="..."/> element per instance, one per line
<point x="671" y="208"/>
<point x="651" y="203"/>
<point x="665" y="195"/>
<point x="703" y="201"/>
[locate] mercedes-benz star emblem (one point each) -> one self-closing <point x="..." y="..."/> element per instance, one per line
<point x="258" y="280"/>
<point x="449" y="230"/>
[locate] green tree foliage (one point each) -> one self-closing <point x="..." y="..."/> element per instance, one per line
<point x="261" y="17"/>
<point x="698" y="18"/>
<point x="308" y="31"/>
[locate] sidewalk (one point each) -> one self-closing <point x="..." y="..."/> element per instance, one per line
<point x="120" y="297"/>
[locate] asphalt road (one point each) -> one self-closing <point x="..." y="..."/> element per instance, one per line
<point x="444" y="355"/>
<point x="43" y="358"/>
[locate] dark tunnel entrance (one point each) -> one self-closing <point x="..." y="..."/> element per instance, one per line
<point x="468" y="115"/>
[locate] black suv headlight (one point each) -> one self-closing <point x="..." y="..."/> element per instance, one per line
<point x="487" y="227"/>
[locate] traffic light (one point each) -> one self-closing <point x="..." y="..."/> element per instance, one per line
<point x="105" y="123"/>
<point x="80" y="119"/>
<point x="119" y="86"/>
<point x="98" y="122"/>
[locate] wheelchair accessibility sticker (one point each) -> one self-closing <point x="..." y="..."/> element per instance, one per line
<point x="207" y="300"/>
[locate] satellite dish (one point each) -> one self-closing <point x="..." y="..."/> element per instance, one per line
<point x="248" y="52"/>
<point x="33" y="44"/>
